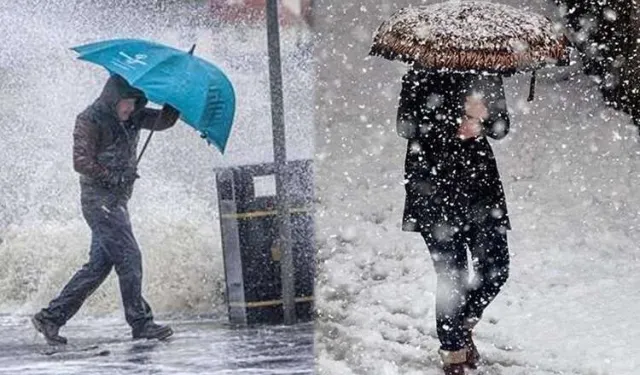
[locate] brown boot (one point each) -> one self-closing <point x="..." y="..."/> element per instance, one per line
<point x="453" y="362"/>
<point x="473" y="356"/>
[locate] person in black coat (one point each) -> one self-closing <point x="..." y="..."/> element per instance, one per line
<point x="454" y="196"/>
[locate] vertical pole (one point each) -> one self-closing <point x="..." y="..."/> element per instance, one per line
<point x="280" y="159"/>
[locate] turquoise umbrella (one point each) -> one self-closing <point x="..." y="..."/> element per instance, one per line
<point x="198" y="89"/>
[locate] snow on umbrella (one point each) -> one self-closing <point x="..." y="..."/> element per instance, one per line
<point x="471" y="35"/>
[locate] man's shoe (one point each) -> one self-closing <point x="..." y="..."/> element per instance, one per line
<point x="152" y="331"/>
<point x="48" y="329"/>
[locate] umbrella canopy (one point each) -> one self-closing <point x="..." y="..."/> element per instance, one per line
<point x="471" y="35"/>
<point x="198" y="89"/>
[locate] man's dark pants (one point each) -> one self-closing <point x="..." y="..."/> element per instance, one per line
<point x="113" y="245"/>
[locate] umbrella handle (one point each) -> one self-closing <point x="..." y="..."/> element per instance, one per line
<point x="532" y="87"/>
<point x="162" y="116"/>
<point x="146" y="143"/>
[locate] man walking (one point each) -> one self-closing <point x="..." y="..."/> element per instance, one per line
<point x="105" y="144"/>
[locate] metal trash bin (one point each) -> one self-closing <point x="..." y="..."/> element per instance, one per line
<point x="248" y="222"/>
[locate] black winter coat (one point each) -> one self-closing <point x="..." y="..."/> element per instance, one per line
<point x="450" y="183"/>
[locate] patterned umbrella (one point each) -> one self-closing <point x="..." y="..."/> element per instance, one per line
<point x="471" y="35"/>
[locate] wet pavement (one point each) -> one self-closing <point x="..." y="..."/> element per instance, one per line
<point x="104" y="346"/>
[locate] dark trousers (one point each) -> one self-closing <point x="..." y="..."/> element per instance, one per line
<point x="112" y="246"/>
<point x="458" y="298"/>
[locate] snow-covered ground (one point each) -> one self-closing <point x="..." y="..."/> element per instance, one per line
<point x="570" y="167"/>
